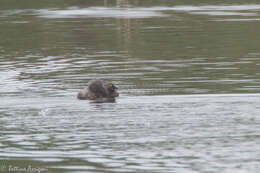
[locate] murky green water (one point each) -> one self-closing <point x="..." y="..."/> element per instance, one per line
<point x="188" y="73"/>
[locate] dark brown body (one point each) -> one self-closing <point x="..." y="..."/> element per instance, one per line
<point x="98" y="89"/>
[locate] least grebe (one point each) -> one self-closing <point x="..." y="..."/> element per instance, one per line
<point x="98" y="89"/>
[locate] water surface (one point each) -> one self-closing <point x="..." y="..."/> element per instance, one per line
<point x="188" y="74"/>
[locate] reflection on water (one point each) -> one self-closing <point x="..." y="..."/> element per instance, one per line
<point x="99" y="12"/>
<point x="188" y="76"/>
<point x="218" y="7"/>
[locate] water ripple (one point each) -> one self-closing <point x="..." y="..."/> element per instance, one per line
<point x="130" y="135"/>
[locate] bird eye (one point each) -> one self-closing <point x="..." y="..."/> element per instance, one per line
<point x="110" y="85"/>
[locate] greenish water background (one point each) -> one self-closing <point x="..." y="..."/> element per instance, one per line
<point x="188" y="73"/>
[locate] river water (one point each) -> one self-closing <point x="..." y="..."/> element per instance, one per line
<point x="188" y="77"/>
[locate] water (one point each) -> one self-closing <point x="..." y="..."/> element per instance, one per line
<point x="188" y="74"/>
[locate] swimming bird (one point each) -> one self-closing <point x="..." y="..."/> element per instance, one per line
<point x="98" y="89"/>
